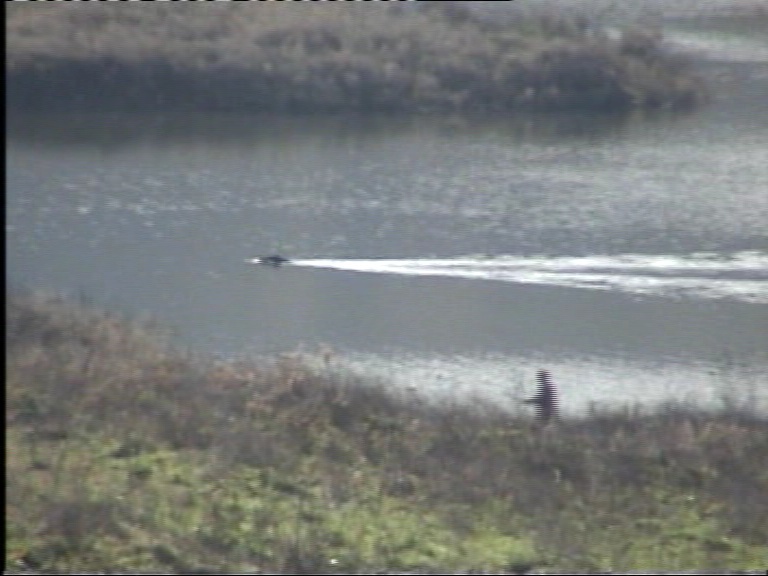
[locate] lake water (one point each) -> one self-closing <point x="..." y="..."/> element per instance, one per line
<point x="455" y="256"/>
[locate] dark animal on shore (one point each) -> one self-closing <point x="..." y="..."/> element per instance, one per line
<point x="545" y="399"/>
<point x="274" y="260"/>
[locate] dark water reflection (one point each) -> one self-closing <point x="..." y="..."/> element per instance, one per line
<point x="161" y="215"/>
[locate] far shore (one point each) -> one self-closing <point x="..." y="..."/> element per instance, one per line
<point x="318" y="58"/>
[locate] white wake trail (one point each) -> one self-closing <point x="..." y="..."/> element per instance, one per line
<point x="739" y="276"/>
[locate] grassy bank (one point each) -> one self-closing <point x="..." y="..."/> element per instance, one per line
<point x="320" y="57"/>
<point x="124" y="454"/>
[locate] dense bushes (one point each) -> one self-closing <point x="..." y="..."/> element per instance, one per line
<point x="312" y="58"/>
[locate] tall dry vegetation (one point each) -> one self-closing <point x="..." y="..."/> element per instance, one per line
<point x="127" y="455"/>
<point x="310" y="57"/>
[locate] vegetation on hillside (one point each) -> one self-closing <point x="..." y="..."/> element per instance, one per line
<point x="316" y="57"/>
<point x="125" y="454"/>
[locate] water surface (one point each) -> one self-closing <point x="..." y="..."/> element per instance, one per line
<point x="627" y="255"/>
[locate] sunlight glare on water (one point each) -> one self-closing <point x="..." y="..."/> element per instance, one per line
<point x="582" y="384"/>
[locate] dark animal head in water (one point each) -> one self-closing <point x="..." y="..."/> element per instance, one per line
<point x="274" y="260"/>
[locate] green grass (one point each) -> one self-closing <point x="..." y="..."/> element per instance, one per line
<point x="321" y="57"/>
<point x="127" y="455"/>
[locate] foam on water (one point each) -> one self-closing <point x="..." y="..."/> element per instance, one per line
<point x="739" y="276"/>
